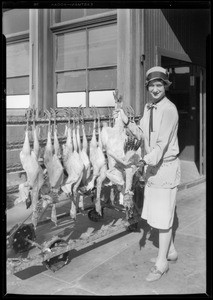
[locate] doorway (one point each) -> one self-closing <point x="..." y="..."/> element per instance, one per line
<point x="187" y="93"/>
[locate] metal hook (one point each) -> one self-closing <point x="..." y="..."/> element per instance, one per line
<point x="27" y="115"/>
<point x="82" y="115"/>
<point x="48" y="114"/>
<point x="53" y="112"/>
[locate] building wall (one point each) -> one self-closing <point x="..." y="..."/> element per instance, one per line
<point x="176" y="30"/>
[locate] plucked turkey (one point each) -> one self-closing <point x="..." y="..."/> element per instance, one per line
<point x="74" y="167"/>
<point x="52" y="157"/>
<point x="34" y="172"/>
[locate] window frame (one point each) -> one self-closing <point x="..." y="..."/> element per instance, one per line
<point x="85" y="23"/>
<point x="14" y="38"/>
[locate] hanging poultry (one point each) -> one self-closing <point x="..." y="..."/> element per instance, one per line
<point x="116" y="142"/>
<point x="83" y="149"/>
<point x="52" y="162"/>
<point x="73" y="165"/>
<point x="102" y="171"/>
<point x="113" y="139"/>
<point x="52" y="156"/>
<point x="99" y="164"/>
<point x="34" y="172"/>
<point x="129" y="164"/>
<point x="29" y="159"/>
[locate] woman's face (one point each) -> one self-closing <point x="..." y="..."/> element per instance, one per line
<point x="156" y="89"/>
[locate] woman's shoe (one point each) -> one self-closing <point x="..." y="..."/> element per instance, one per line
<point x="172" y="257"/>
<point x="156" y="274"/>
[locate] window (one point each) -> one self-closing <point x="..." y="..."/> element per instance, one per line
<point x="86" y="66"/>
<point x="63" y="15"/>
<point x="15" y="22"/>
<point x="17" y="72"/>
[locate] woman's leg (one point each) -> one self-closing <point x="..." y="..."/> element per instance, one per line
<point x="165" y="237"/>
<point x="161" y="265"/>
<point x="172" y="246"/>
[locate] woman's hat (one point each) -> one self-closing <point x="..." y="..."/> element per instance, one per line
<point x="157" y="73"/>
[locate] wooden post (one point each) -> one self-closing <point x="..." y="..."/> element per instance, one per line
<point x="41" y="57"/>
<point x="130" y="52"/>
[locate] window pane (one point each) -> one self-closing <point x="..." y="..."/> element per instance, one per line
<point x="71" y="99"/>
<point x="71" y="50"/>
<point x="101" y="98"/>
<point x="91" y="11"/>
<point x="71" y="81"/>
<point x="62" y="15"/>
<point x="20" y="101"/>
<point x="15" y="20"/>
<point x="103" y="79"/>
<point x="103" y="46"/>
<point x="181" y="70"/>
<point x="18" y="59"/>
<point x="18" y="86"/>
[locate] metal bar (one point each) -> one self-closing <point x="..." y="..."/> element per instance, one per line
<point x="22" y="121"/>
<point x="15" y="265"/>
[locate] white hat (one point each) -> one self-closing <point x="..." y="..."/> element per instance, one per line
<point x="157" y="73"/>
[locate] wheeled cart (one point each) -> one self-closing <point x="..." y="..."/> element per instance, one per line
<point x="54" y="249"/>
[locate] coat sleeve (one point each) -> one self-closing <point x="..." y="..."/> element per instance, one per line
<point x="168" y="125"/>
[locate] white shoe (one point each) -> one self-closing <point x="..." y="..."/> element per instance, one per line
<point x="156" y="273"/>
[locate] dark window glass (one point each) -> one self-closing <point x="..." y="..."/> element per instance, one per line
<point x="71" y="81"/>
<point x="105" y="79"/>
<point x="18" y="86"/>
<point x="63" y="15"/>
<point x="71" y="51"/>
<point x="18" y="59"/>
<point x="103" y="46"/>
<point x="15" y="20"/>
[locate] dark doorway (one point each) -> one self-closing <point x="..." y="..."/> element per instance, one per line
<point x="185" y="93"/>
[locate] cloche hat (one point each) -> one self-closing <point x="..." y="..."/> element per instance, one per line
<point x="157" y="73"/>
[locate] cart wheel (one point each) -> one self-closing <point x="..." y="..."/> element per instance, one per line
<point x="19" y="243"/>
<point x="57" y="262"/>
<point x="94" y="216"/>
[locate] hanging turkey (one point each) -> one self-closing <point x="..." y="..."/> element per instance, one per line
<point x="121" y="162"/>
<point x="83" y="148"/>
<point x="34" y="172"/>
<point x="52" y="155"/>
<point x="73" y="165"/>
<point x="52" y="161"/>
<point x="99" y="163"/>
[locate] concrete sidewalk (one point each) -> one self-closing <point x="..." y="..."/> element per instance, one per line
<point x="119" y="265"/>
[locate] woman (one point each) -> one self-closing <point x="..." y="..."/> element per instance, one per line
<point x="158" y="128"/>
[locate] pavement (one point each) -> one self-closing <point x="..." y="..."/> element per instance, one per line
<point x="118" y="264"/>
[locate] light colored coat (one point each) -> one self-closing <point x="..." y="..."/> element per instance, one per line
<point x="163" y="166"/>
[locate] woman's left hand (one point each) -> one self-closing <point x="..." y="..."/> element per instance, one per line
<point x="122" y="115"/>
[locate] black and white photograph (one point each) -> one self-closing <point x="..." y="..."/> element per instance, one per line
<point x="106" y="160"/>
